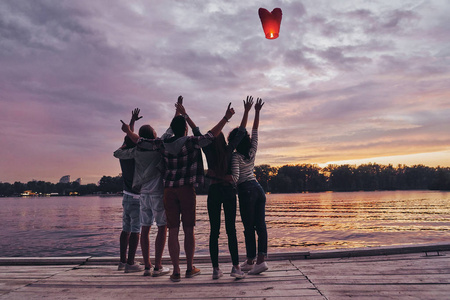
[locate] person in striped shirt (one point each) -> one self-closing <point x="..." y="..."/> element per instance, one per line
<point x="222" y="192"/>
<point x="252" y="199"/>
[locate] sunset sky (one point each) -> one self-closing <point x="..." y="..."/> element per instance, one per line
<point x="345" y="82"/>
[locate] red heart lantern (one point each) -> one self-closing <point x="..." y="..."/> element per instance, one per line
<point x="270" y="22"/>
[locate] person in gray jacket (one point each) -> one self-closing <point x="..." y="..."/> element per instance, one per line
<point x="148" y="180"/>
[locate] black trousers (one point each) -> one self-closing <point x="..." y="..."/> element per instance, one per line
<point x="252" y="205"/>
<point x="218" y="195"/>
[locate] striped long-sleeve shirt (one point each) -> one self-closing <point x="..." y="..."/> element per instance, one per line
<point x="241" y="167"/>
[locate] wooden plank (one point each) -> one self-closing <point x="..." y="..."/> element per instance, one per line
<point x="282" y="281"/>
<point x="404" y="276"/>
<point x="73" y="260"/>
<point x="412" y="276"/>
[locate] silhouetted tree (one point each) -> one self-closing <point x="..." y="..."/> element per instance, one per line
<point x="87" y="189"/>
<point x="6" y="189"/>
<point x="264" y="174"/>
<point x="19" y="187"/>
<point x="418" y="177"/>
<point x="367" y="177"/>
<point x="388" y="178"/>
<point x="299" y="178"/>
<point x="441" y="179"/>
<point x="108" y="184"/>
<point x="284" y="179"/>
<point x="342" y="177"/>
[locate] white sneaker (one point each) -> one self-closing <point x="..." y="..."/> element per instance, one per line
<point x="121" y="266"/>
<point x="133" y="268"/>
<point x="257" y="269"/>
<point x="217" y="273"/>
<point x="246" y="267"/>
<point x="160" y="272"/>
<point x="237" y="273"/>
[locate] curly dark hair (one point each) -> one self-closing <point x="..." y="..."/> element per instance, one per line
<point x="244" y="146"/>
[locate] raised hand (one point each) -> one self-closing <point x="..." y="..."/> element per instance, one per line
<point x="218" y="128"/>
<point x="135" y="114"/>
<point x="229" y="113"/>
<point x="179" y="102"/>
<point x="259" y="104"/>
<point x="248" y="103"/>
<point x="125" y="127"/>
<point x="180" y="110"/>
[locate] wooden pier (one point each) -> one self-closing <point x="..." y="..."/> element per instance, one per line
<point x="409" y="272"/>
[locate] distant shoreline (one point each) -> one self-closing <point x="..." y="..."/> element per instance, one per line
<point x="203" y="194"/>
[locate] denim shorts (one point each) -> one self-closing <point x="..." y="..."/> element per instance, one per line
<point x="152" y="209"/>
<point x="131" y="214"/>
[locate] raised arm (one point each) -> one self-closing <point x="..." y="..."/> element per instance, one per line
<point x="247" y="106"/>
<point x="126" y="128"/>
<point x="134" y="117"/>
<point x="182" y="111"/>
<point x="258" y="105"/>
<point x="234" y="142"/>
<point x="219" y="126"/>
<point x="179" y="101"/>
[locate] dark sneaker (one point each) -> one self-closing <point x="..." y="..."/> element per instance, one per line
<point x="147" y="272"/>
<point x="237" y="273"/>
<point x="217" y="273"/>
<point x="191" y="273"/>
<point x="175" y="277"/>
<point x="121" y="266"/>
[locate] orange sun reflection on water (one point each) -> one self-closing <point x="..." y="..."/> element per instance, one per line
<point x="358" y="219"/>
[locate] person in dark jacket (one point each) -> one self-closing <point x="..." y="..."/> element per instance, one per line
<point x="131" y="226"/>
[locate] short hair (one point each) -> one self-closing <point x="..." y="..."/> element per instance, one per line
<point x="178" y="125"/>
<point x="147" y="131"/>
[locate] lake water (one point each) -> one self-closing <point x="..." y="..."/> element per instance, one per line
<point x="90" y="226"/>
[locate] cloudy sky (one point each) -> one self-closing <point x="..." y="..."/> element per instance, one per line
<point x="346" y="81"/>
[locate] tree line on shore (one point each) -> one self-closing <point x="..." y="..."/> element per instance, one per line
<point x="366" y="177"/>
<point x="285" y="179"/>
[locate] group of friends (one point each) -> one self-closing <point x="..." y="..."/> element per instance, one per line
<point x="160" y="176"/>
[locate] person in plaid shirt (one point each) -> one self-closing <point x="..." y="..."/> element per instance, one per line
<point x="183" y="171"/>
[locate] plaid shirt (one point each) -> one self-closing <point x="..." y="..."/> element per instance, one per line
<point x="186" y="167"/>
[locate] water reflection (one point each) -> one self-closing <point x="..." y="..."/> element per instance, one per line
<point x="296" y="222"/>
<point x="335" y="220"/>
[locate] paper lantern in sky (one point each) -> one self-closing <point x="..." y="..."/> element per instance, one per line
<point x="270" y="22"/>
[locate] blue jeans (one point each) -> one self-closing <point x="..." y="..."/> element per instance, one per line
<point x="252" y="205"/>
<point x="131" y="214"/>
<point x="218" y="195"/>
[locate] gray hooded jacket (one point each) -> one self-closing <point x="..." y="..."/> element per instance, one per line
<point x="148" y="164"/>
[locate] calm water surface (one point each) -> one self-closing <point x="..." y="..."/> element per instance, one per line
<point x="90" y="226"/>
